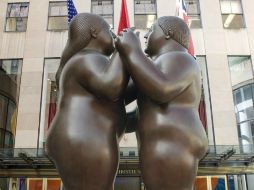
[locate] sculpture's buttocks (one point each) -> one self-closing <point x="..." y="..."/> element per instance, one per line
<point x="84" y="135"/>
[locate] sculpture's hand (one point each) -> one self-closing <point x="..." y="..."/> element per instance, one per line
<point x="127" y="42"/>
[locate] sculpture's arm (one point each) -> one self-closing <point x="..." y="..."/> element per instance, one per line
<point x="148" y="78"/>
<point x="105" y="79"/>
<point x="157" y="85"/>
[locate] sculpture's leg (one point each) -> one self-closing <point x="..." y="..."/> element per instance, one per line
<point x="86" y="165"/>
<point x="168" y="166"/>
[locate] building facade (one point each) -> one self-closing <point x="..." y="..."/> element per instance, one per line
<point x="33" y="35"/>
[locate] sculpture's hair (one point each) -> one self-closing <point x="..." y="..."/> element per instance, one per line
<point x="176" y="28"/>
<point x="79" y="36"/>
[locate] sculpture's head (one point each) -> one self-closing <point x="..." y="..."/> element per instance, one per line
<point x="164" y="29"/>
<point x="86" y="30"/>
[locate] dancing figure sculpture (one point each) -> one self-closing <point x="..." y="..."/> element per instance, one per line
<point x="90" y="119"/>
<point x="170" y="134"/>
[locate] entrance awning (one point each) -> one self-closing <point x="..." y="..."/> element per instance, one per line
<point x="218" y="160"/>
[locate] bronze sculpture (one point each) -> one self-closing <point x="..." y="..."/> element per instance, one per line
<point x="91" y="118"/>
<point x="83" y="137"/>
<point x="170" y="134"/>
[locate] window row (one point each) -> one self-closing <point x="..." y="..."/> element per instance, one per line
<point x="145" y="12"/>
<point x="221" y="182"/>
<point x="241" y="71"/>
<point x="49" y="97"/>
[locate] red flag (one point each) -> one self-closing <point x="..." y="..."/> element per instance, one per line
<point x="202" y="113"/>
<point x="124" y="18"/>
<point x="182" y="13"/>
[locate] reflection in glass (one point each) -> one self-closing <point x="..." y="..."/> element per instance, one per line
<point x="49" y="97"/>
<point x="145" y="7"/>
<point x="201" y="183"/>
<point x="240" y="69"/>
<point x="58" y="23"/>
<point x="3" y="109"/>
<point x="57" y="9"/>
<point x="231" y="6"/>
<point x="17" y="10"/>
<point x="244" y="110"/>
<point x="11" y="118"/>
<point x="127" y="183"/>
<point x="195" y="21"/>
<point x="57" y="16"/>
<point x="205" y="111"/>
<point x="104" y="8"/>
<point x="2" y="134"/>
<point x="8" y="140"/>
<point x="218" y="183"/>
<point x="35" y="184"/>
<point x="193" y="12"/>
<point x="246" y="133"/>
<point x="53" y="184"/>
<point x="16" y="19"/>
<point x="10" y="71"/>
<point x="145" y="13"/>
<point x="233" y="21"/>
<point x="232" y="14"/>
<point x="144" y="21"/>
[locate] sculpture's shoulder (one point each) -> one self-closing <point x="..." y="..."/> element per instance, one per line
<point x="85" y="59"/>
<point x="182" y="60"/>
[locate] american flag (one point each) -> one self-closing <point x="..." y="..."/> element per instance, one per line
<point x="71" y="10"/>
<point x="182" y="13"/>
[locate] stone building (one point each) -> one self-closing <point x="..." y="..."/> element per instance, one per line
<point x="33" y="35"/>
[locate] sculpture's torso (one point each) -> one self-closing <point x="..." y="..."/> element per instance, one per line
<point x="180" y="115"/>
<point x="87" y="127"/>
<point x="171" y="130"/>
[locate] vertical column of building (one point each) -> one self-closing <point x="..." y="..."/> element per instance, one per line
<point x="31" y="81"/>
<point x="249" y="20"/>
<point x="225" y="129"/>
<point x="166" y="8"/>
<point x="3" y="6"/>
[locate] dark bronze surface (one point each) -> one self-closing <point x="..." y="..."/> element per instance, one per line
<point x="91" y="118"/>
<point x="84" y="136"/>
<point x="170" y="134"/>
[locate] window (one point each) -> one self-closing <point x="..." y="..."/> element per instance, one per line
<point x="240" y="69"/>
<point x="193" y="11"/>
<point x="244" y="110"/>
<point x="3" y="111"/>
<point x="58" y="16"/>
<point x="205" y="111"/>
<point x="232" y="14"/>
<point x="16" y="18"/>
<point x="104" y="8"/>
<point x="145" y="13"/>
<point x="10" y="71"/>
<point x="7" y="132"/>
<point x="49" y="97"/>
<point x="35" y="184"/>
<point x="242" y="78"/>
